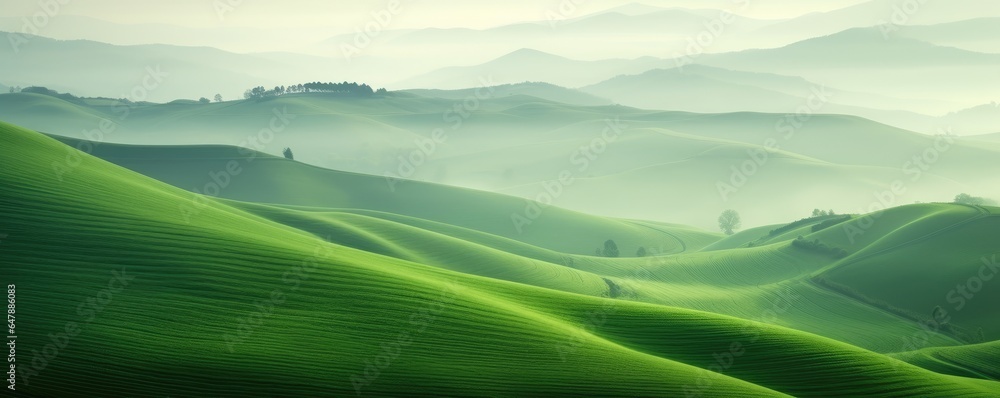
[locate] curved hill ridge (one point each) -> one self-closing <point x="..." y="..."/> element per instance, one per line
<point x="740" y="283"/>
<point x="340" y="303"/>
<point x="264" y="179"/>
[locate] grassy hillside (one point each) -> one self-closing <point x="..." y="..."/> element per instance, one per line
<point x="742" y="238"/>
<point x="516" y="144"/>
<point x="973" y="360"/>
<point x="220" y="264"/>
<point x="361" y="212"/>
<point x="186" y="322"/>
<point x="759" y="277"/>
<point x="267" y="179"/>
<point x="924" y="260"/>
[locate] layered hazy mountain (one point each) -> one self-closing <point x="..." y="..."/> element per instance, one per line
<point x="868" y="53"/>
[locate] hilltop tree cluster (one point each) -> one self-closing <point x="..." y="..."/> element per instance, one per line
<point x="611" y="250"/>
<point x="966" y="199"/>
<point x="821" y="213"/>
<point x="353" y="88"/>
<point x="830" y="222"/>
<point x="52" y="93"/>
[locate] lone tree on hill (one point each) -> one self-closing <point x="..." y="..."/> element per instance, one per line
<point x="730" y="221"/>
<point x="288" y="153"/>
<point x="610" y="248"/>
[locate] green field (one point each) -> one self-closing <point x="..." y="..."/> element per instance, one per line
<point x="293" y="280"/>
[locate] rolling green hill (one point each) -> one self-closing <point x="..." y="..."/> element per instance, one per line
<point x="267" y="179"/>
<point x="760" y="278"/>
<point x="915" y="263"/>
<point x="206" y="306"/>
<point x="518" y="201"/>
<point x="973" y="360"/>
<point x="397" y="222"/>
<point x="515" y="144"/>
<point x="548" y="287"/>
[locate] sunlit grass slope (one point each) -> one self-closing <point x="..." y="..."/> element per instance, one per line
<point x="195" y="284"/>
<point x="407" y="242"/>
<point x="748" y="283"/>
<point x="192" y="284"/>
<point x="973" y="360"/>
<point x="742" y="283"/>
<point x="937" y="261"/>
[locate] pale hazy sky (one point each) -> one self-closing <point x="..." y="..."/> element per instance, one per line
<point x="345" y="15"/>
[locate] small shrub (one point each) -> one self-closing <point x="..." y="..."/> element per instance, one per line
<point x="820" y="247"/>
<point x="829" y="223"/>
<point x="614" y="291"/>
<point x="794" y="225"/>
